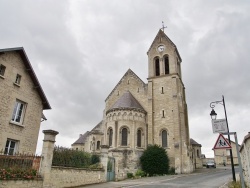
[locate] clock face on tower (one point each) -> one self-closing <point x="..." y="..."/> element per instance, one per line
<point x="161" y="48"/>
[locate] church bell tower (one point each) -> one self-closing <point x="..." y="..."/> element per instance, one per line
<point x="167" y="108"/>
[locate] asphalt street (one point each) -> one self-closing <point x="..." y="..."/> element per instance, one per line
<point x="205" y="178"/>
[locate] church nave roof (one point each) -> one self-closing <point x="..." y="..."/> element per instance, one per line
<point x="127" y="101"/>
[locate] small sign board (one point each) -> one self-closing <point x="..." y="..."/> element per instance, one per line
<point x="219" y="126"/>
<point x="222" y="143"/>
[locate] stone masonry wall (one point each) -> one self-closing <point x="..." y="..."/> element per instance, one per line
<point x="26" y="133"/>
<point x="21" y="183"/>
<point x="72" y="177"/>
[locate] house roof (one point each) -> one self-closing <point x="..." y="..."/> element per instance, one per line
<point x="32" y="74"/>
<point x="127" y="101"/>
<point x="82" y="138"/>
<point x="244" y="141"/>
<point x="161" y="33"/>
<point x="193" y="142"/>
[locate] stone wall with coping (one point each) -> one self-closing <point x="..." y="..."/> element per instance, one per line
<point x="21" y="183"/>
<point x="245" y="158"/>
<point x="57" y="177"/>
<point x="72" y="177"/>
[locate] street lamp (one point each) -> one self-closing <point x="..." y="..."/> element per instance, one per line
<point x="213" y="115"/>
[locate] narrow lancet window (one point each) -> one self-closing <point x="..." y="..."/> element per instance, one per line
<point x="166" y="63"/>
<point x="164" y="138"/>
<point x="124" y="137"/>
<point x="139" y="138"/>
<point x="110" y="132"/>
<point x="157" y="67"/>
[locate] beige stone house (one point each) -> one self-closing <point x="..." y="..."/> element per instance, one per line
<point x="223" y="155"/>
<point x="138" y="114"/>
<point x="22" y="102"/>
<point x="245" y="158"/>
<point x="196" y="153"/>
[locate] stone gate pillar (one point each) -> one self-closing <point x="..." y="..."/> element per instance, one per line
<point x="104" y="157"/>
<point x="47" y="154"/>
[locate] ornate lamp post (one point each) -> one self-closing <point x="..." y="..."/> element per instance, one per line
<point x="213" y="115"/>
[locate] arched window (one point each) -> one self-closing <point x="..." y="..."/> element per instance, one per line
<point x="198" y="155"/>
<point x="110" y="133"/>
<point x="164" y="138"/>
<point x="139" y="138"/>
<point x="157" y="67"/>
<point x="98" y="143"/>
<point x="124" y="137"/>
<point x="166" y="63"/>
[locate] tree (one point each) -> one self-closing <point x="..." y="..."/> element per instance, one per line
<point x="154" y="160"/>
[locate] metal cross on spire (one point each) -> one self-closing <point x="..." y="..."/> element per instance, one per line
<point x="163" y="27"/>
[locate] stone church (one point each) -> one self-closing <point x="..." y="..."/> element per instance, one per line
<point x="138" y="114"/>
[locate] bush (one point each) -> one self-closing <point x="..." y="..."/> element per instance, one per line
<point x="95" y="159"/>
<point x="155" y="161"/>
<point x="15" y="173"/>
<point x="130" y="175"/>
<point x="140" y="173"/>
<point x="73" y="158"/>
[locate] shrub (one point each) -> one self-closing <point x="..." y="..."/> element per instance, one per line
<point x="16" y="173"/>
<point x="130" y="175"/>
<point x="95" y="159"/>
<point x="140" y="173"/>
<point x="73" y="158"/>
<point x="155" y="161"/>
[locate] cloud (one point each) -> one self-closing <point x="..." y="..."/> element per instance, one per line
<point x="80" y="50"/>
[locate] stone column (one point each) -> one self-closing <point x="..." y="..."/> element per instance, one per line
<point x="104" y="157"/>
<point x="47" y="154"/>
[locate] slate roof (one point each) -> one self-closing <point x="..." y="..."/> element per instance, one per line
<point x="98" y="126"/>
<point x="82" y="138"/>
<point x="32" y="74"/>
<point x="193" y="142"/>
<point x="127" y="101"/>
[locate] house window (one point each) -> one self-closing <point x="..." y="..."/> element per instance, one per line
<point x="98" y="143"/>
<point x="124" y="137"/>
<point x="157" y="67"/>
<point x="18" y="79"/>
<point x="2" y="70"/>
<point x="139" y="138"/>
<point x="164" y="138"/>
<point x="10" y="147"/>
<point x="198" y="155"/>
<point x="166" y="63"/>
<point x="110" y="133"/>
<point x="18" y="112"/>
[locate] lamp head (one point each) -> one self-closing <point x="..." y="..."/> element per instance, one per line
<point x="213" y="114"/>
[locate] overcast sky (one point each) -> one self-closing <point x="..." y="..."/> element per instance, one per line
<point x="80" y="50"/>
